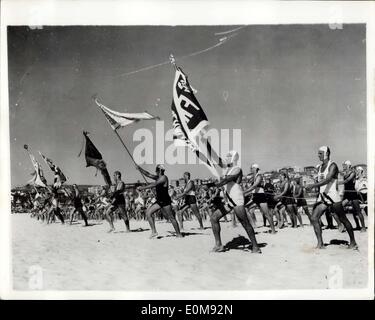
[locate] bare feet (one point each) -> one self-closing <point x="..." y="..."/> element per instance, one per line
<point x="256" y="249"/>
<point x="320" y="246"/>
<point x="353" y="246"/>
<point x="153" y="235"/>
<point x="179" y="235"/>
<point x="111" y="230"/>
<point x="218" y="249"/>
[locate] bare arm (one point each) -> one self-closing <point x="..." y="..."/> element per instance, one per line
<point x="146" y="173"/>
<point x="286" y="188"/>
<point x="351" y="176"/>
<point x="255" y="185"/>
<point x="230" y="178"/>
<point x="333" y="170"/>
<point x="225" y="180"/>
<point x="159" y="181"/>
<point x="188" y="188"/>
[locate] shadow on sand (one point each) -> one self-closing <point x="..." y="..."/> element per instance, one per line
<point x="241" y="243"/>
<point x="337" y="242"/>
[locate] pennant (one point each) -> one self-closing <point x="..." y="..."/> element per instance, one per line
<point x="118" y="119"/>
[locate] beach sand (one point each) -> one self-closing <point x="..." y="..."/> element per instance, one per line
<point x="78" y="258"/>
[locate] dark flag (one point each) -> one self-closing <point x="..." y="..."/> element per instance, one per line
<point x="94" y="159"/>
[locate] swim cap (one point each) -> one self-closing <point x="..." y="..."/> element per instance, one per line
<point x="160" y="167"/>
<point x="348" y="163"/>
<point x="255" y="166"/>
<point x="360" y="169"/>
<point x="326" y="151"/>
<point x="233" y="155"/>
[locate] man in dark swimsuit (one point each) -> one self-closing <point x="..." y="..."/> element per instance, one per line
<point x="190" y="201"/>
<point x="259" y="197"/>
<point x="77" y="203"/>
<point x="163" y="200"/>
<point x="351" y="196"/>
<point x="55" y="209"/>
<point x="286" y="197"/>
<point x="118" y="203"/>
<point x="299" y="195"/>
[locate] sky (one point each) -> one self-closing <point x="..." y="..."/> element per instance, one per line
<point x="289" y="88"/>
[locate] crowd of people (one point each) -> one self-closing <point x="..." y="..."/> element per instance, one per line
<point x="280" y="204"/>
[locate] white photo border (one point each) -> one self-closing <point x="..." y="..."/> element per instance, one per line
<point x="104" y="12"/>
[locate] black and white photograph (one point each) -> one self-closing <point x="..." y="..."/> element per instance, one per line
<point x="163" y="157"/>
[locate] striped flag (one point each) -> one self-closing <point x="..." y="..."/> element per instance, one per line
<point x="119" y="119"/>
<point x="59" y="178"/>
<point x="38" y="177"/>
<point x="190" y="123"/>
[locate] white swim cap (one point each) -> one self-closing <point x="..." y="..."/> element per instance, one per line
<point x="255" y="166"/>
<point x="233" y="155"/>
<point x="160" y="167"/>
<point x="326" y="151"/>
<point x="360" y="169"/>
<point x="348" y="163"/>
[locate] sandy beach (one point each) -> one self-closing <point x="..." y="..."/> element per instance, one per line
<point x="73" y="257"/>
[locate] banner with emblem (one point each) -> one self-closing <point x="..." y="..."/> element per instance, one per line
<point x="190" y="123"/>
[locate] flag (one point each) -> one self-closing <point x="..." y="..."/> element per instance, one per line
<point x="38" y="177"/>
<point x="118" y="119"/>
<point x="190" y="123"/>
<point x="95" y="159"/>
<point x="59" y="178"/>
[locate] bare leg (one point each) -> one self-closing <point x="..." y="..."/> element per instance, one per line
<point x="80" y="210"/>
<point x="168" y="213"/>
<point x="292" y="215"/>
<point x="124" y="216"/>
<point x="151" y="219"/>
<point x="109" y="217"/>
<point x="266" y="213"/>
<point x="315" y="220"/>
<point x="180" y="217"/>
<point x="278" y="218"/>
<point x="339" y="210"/>
<point x="358" y="212"/>
<point x="242" y="217"/>
<point x="234" y="222"/>
<point x="215" y="218"/>
<point x="284" y="215"/>
<point x="251" y="217"/>
<point x="299" y="217"/>
<point x="307" y="212"/>
<point x="195" y="210"/>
